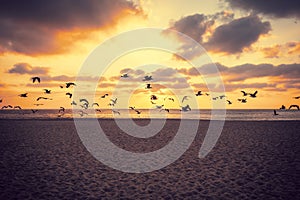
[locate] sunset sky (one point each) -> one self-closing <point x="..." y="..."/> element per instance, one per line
<point x="255" y="45"/>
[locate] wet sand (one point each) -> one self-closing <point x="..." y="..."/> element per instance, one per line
<point x="45" y="159"/>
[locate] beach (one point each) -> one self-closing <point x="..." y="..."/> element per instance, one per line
<point x="45" y="159"/>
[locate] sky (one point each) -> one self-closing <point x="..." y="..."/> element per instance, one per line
<point x="255" y="45"/>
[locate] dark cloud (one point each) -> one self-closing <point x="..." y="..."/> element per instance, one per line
<point x="31" y="27"/>
<point x="276" y="8"/>
<point x="237" y="35"/>
<point x="25" y="68"/>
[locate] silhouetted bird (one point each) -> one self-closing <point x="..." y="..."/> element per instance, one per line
<point x="73" y="103"/>
<point x="23" y="95"/>
<point x="253" y="95"/>
<point x="166" y="109"/>
<point x="222" y="96"/>
<point x="116" y="112"/>
<point x="45" y="98"/>
<point x="244" y="93"/>
<point x="148" y="86"/>
<point x="206" y="94"/>
<point x="95" y="104"/>
<point x="103" y="96"/>
<point x="47" y="91"/>
<point x="152" y="102"/>
<point x="199" y="93"/>
<point x="159" y="106"/>
<point x="147" y="78"/>
<point x="38" y="104"/>
<point x="275" y="113"/>
<point x="132" y="108"/>
<point x="61" y="86"/>
<point x="124" y="76"/>
<point x="294" y="106"/>
<point x="185" y="98"/>
<point x="33" y="111"/>
<point x="215" y="98"/>
<point x="84" y="100"/>
<point x="98" y="110"/>
<point x="282" y="107"/>
<point x="62" y="109"/>
<point x="185" y="108"/>
<point x="36" y="79"/>
<point x="69" y="94"/>
<point x="298" y="97"/>
<point x="243" y="100"/>
<point x="69" y="84"/>
<point x="114" y="101"/>
<point x="137" y="111"/>
<point x="153" y="97"/>
<point x="229" y="102"/>
<point x="18" y="107"/>
<point x="1" y="100"/>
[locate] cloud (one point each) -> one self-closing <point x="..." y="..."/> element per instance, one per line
<point x="237" y="35"/>
<point x="275" y="8"/>
<point x="32" y="27"/>
<point x="25" y="68"/>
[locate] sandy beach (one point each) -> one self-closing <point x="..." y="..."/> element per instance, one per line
<point x="45" y="159"/>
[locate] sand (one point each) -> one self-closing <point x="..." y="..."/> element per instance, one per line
<point x="45" y="159"/>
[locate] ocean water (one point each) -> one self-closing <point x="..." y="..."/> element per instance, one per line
<point x="203" y="114"/>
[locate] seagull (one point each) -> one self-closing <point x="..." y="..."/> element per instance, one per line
<point x="62" y="109"/>
<point x="185" y="108"/>
<point x="103" y="96"/>
<point x="294" y="106"/>
<point x="153" y="97"/>
<point x="61" y="86"/>
<point x="69" y="84"/>
<point x="215" y="98"/>
<point x="243" y="100"/>
<point x="298" y="97"/>
<point x="166" y="109"/>
<point x="148" y="86"/>
<point x="4" y="107"/>
<point x="98" y="110"/>
<point x="253" y="95"/>
<point x="45" y="98"/>
<point x="222" y="96"/>
<point x="229" y="102"/>
<point x="38" y="104"/>
<point x="282" y="107"/>
<point x="47" y="91"/>
<point x="116" y="112"/>
<point x="18" y="107"/>
<point x="170" y="98"/>
<point x="124" y="76"/>
<point x="147" y="78"/>
<point x="244" y="93"/>
<point x="206" y="94"/>
<point x="275" y="113"/>
<point x="159" y="107"/>
<point x="114" y="101"/>
<point x="137" y="111"/>
<point x="152" y="102"/>
<point x="199" y="93"/>
<point x="69" y="94"/>
<point x="95" y="104"/>
<point x="23" y="95"/>
<point x="73" y="103"/>
<point x="185" y="98"/>
<point x="33" y="111"/>
<point x="132" y="108"/>
<point x="84" y="100"/>
<point x="38" y="79"/>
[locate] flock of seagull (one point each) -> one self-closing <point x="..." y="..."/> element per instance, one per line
<point x="85" y="104"/>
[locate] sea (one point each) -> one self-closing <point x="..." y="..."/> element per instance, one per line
<point x="202" y="114"/>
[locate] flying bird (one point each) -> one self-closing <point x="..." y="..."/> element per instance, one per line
<point x="61" y="86"/>
<point x="47" y="91"/>
<point x="229" y="102"/>
<point x="152" y="102"/>
<point x="137" y="111"/>
<point x="73" y="103"/>
<point x="18" y="107"/>
<point x="159" y="106"/>
<point x="38" y="79"/>
<point x="166" y="109"/>
<point x="114" y="101"/>
<point x="45" y="98"/>
<point x="69" y="94"/>
<point x="215" y="98"/>
<point x="116" y="112"/>
<point x="33" y="111"/>
<point x="148" y="86"/>
<point x="185" y="98"/>
<point x="103" y="96"/>
<point x="294" y="106"/>
<point x="222" y="96"/>
<point x="254" y="94"/>
<point x="185" y="108"/>
<point x="199" y="93"/>
<point x="298" y="97"/>
<point x="132" y="108"/>
<point x="1" y="100"/>
<point x="243" y="100"/>
<point x="95" y="104"/>
<point x="38" y="104"/>
<point x="244" y="93"/>
<point x="23" y="95"/>
<point x="169" y="98"/>
<point x="153" y="97"/>
<point x="84" y="100"/>
<point x="124" y="76"/>
<point x="61" y="109"/>
<point x="147" y="78"/>
<point x="69" y="84"/>
<point x="98" y="110"/>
